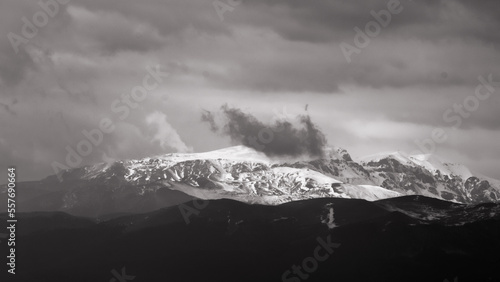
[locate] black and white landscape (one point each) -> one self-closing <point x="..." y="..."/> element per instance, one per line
<point x="249" y="140"/>
<point x="235" y="214"/>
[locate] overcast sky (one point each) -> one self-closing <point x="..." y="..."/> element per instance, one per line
<point x="263" y="57"/>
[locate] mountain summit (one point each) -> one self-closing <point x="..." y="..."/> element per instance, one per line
<point x="243" y="174"/>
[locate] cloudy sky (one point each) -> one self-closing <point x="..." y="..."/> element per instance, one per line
<point x="70" y="72"/>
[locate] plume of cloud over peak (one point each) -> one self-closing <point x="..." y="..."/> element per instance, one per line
<point x="165" y="134"/>
<point x="280" y="138"/>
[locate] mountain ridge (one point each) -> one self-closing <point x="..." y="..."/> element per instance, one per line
<point x="243" y="174"/>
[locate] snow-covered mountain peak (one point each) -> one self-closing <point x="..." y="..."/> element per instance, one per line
<point x="244" y="174"/>
<point x="236" y="153"/>
<point x="337" y="153"/>
<point x="435" y="164"/>
<point x="243" y="153"/>
<point x="430" y="162"/>
<point x="401" y="157"/>
<point x="423" y="157"/>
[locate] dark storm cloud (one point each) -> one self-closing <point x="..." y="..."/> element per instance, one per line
<point x="112" y="32"/>
<point x="334" y="20"/>
<point x="443" y="35"/>
<point x="287" y="75"/>
<point x="209" y="117"/>
<point x="486" y="20"/>
<point x="485" y="117"/>
<point x="171" y="18"/>
<point x="7" y="108"/>
<point x="280" y="138"/>
<point x="13" y="67"/>
<point x="322" y="22"/>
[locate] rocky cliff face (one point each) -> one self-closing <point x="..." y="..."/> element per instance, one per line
<point x="448" y="183"/>
<point x="245" y="175"/>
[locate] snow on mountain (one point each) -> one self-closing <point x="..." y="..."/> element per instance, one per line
<point x="307" y="174"/>
<point x="370" y="192"/>
<point x="492" y="181"/>
<point x="429" y="176"/>
<point x="401" y="157"/>
<point x="247" y="175"/>
<point x="428" y="161"/>
<point x="243" y="174"/>
<point x="434" y="165"/>
<point x="238" y="173"/>
<point x="235" y="153"/>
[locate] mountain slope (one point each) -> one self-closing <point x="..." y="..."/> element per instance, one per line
<point x="429" y="176"/>
<point x="243" y="174"/>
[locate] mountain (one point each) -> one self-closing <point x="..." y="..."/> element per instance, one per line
<point x="410" y="238"/>
<point x="429" y="176"/>
<point x="243" y="174"/>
